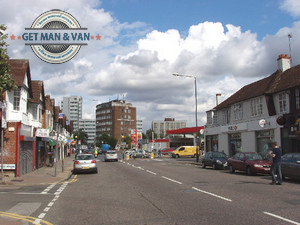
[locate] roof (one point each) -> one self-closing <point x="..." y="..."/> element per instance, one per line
<point x="37" y="90"/>
<point x="276" y="82"/>
<point x="20" y="68"/>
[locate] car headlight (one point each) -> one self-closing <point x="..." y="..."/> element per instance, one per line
<point x="257" y="165"/>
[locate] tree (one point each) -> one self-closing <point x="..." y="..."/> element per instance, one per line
<point x="149" y="134"/>
<point x="81" y="135"/>
<point x="6" y="81"/>
<point x="106" y="139"/>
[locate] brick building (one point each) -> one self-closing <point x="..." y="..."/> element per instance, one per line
<point x="116" y="118"/>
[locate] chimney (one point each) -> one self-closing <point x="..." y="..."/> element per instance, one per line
<point x="283" y="62"/>
<point x="218" y="97"/>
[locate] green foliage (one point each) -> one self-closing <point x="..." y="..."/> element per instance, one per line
<point x="81" y="135"/>
<point x="149" y="134"/>
<point x="6" y="82"/>
<point x="106" y="139"/>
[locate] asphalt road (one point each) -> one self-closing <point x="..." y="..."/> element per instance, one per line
<point x="159" y="191"/>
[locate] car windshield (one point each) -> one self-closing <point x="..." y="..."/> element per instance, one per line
<point x="252" y="157"/>
<point x="219" y="155"/>
<point x="85" y="157"/>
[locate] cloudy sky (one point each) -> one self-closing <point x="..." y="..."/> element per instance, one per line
<point x="225" y="44"/>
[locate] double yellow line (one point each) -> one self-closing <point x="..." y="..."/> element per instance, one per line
<point x="26" y="218"/>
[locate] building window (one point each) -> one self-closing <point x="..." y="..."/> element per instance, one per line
<point x="209" y="117"/>
<point x="215" y="117"/>
<point x="297" y="98"/>
<point x="282" y="103"/>
<point x="256" y="106"/>
<point x="238" y="111"/>
<point x="17" y="99"/>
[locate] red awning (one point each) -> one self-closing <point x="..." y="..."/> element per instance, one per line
<point x="186" y="130"/>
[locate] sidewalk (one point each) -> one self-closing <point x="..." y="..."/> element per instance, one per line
<point x="44" y="175"/>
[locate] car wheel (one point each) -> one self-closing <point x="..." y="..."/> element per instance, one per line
<point x="177" y="156"/>
<point x="249" y="171"/>
<point x="203" y="165"/>
<point x="214" y="166"/>
<point x="96" y="171"/>
<point x="231" y="170"/>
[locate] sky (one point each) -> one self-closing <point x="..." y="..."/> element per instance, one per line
<point x="224" y="44"/>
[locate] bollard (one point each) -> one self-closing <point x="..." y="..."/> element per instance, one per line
<point x="127" y="156"/>
<point x="152" y="155"/>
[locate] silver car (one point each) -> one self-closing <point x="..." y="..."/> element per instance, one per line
<point x="85" y="163"/>
<point x="111" y="155"/>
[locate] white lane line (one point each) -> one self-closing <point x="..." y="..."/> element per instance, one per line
<point x="175" y="181"/>
<point x="151" y="172"/>
<point x="218" y="196"/>
<point x="282" y="218"/>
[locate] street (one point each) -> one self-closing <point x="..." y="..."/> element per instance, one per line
<point x="156" y="191"/>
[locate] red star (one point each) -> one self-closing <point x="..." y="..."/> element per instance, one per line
<point x="92" y="37"/>
<point x="12" y="37"/>
<point x="98" y="37"/>
<point x="19" y="37"/>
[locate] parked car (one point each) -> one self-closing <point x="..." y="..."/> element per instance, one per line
<point x="167" y="151"/>
<point x="85" y="163"/>
<point x="142" y="154"/>
<point x="111" y="155"/>
<point x="251" y="162"/>
<point x="215" y="159"/>
<point x="290" y="165"/>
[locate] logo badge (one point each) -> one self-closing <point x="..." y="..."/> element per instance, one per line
<point x="55" y="36"/>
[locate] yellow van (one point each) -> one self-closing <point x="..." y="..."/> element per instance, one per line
<point x="185" y="151"/>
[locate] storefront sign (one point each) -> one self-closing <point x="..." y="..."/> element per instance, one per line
<point x="42" y="133"/>
<point x="234" y="128"/>
<point x="8" y="166"/>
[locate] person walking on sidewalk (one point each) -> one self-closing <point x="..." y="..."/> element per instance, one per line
<point x="276" y="166"/>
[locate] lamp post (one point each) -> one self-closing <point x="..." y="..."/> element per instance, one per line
<point x="196" y="112"/>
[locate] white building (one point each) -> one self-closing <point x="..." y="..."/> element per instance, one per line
<point x="160" y="127"/>
<point x="248" y="120"/>
<point x="89" y="127"/>
<point x="72" y="108"/>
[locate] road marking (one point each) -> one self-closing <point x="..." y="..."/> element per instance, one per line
<point x="30" y="219"/>
<point x="175" y="181"/>
<point x="57" y="194"/>
<point x="282" y="218"/>
<point x="218" y="196"/>
<point x="151" y="172"/>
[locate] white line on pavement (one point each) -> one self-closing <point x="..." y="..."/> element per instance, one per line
<point x="171" y="180"/>
<point x="218" y="196"/>
<point x="151" y="172"/>
<point x="282" y="218"/>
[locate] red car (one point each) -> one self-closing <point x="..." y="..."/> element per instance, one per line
<point x="167" y="151"/>
<point x="250" y="162"/>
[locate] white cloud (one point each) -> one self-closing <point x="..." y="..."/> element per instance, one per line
<point x="134" y="62"/>
<point x="291" y="6"/>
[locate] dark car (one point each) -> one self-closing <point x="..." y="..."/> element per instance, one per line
<point x="251" y="162"/>
<point x="214" y="159"/>
<point x="290" y="165"/>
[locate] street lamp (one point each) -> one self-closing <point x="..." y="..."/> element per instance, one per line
<point x="196" y="117"/>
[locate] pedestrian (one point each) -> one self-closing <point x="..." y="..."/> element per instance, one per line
<point x="159" y="153"/>
<point x="276" y="165"/>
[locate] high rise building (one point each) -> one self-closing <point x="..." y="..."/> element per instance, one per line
<point x="160" y="127"/>
<point x="139" y="126"/>
<point x="89" y="127"/>
<point x="72" y="108"/>
<point x="116" y="118"/>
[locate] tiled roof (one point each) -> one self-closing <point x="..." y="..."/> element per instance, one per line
<point x="278" y="81"/>
<point x="37" y="90"/>
<point x="20" y="68"/>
